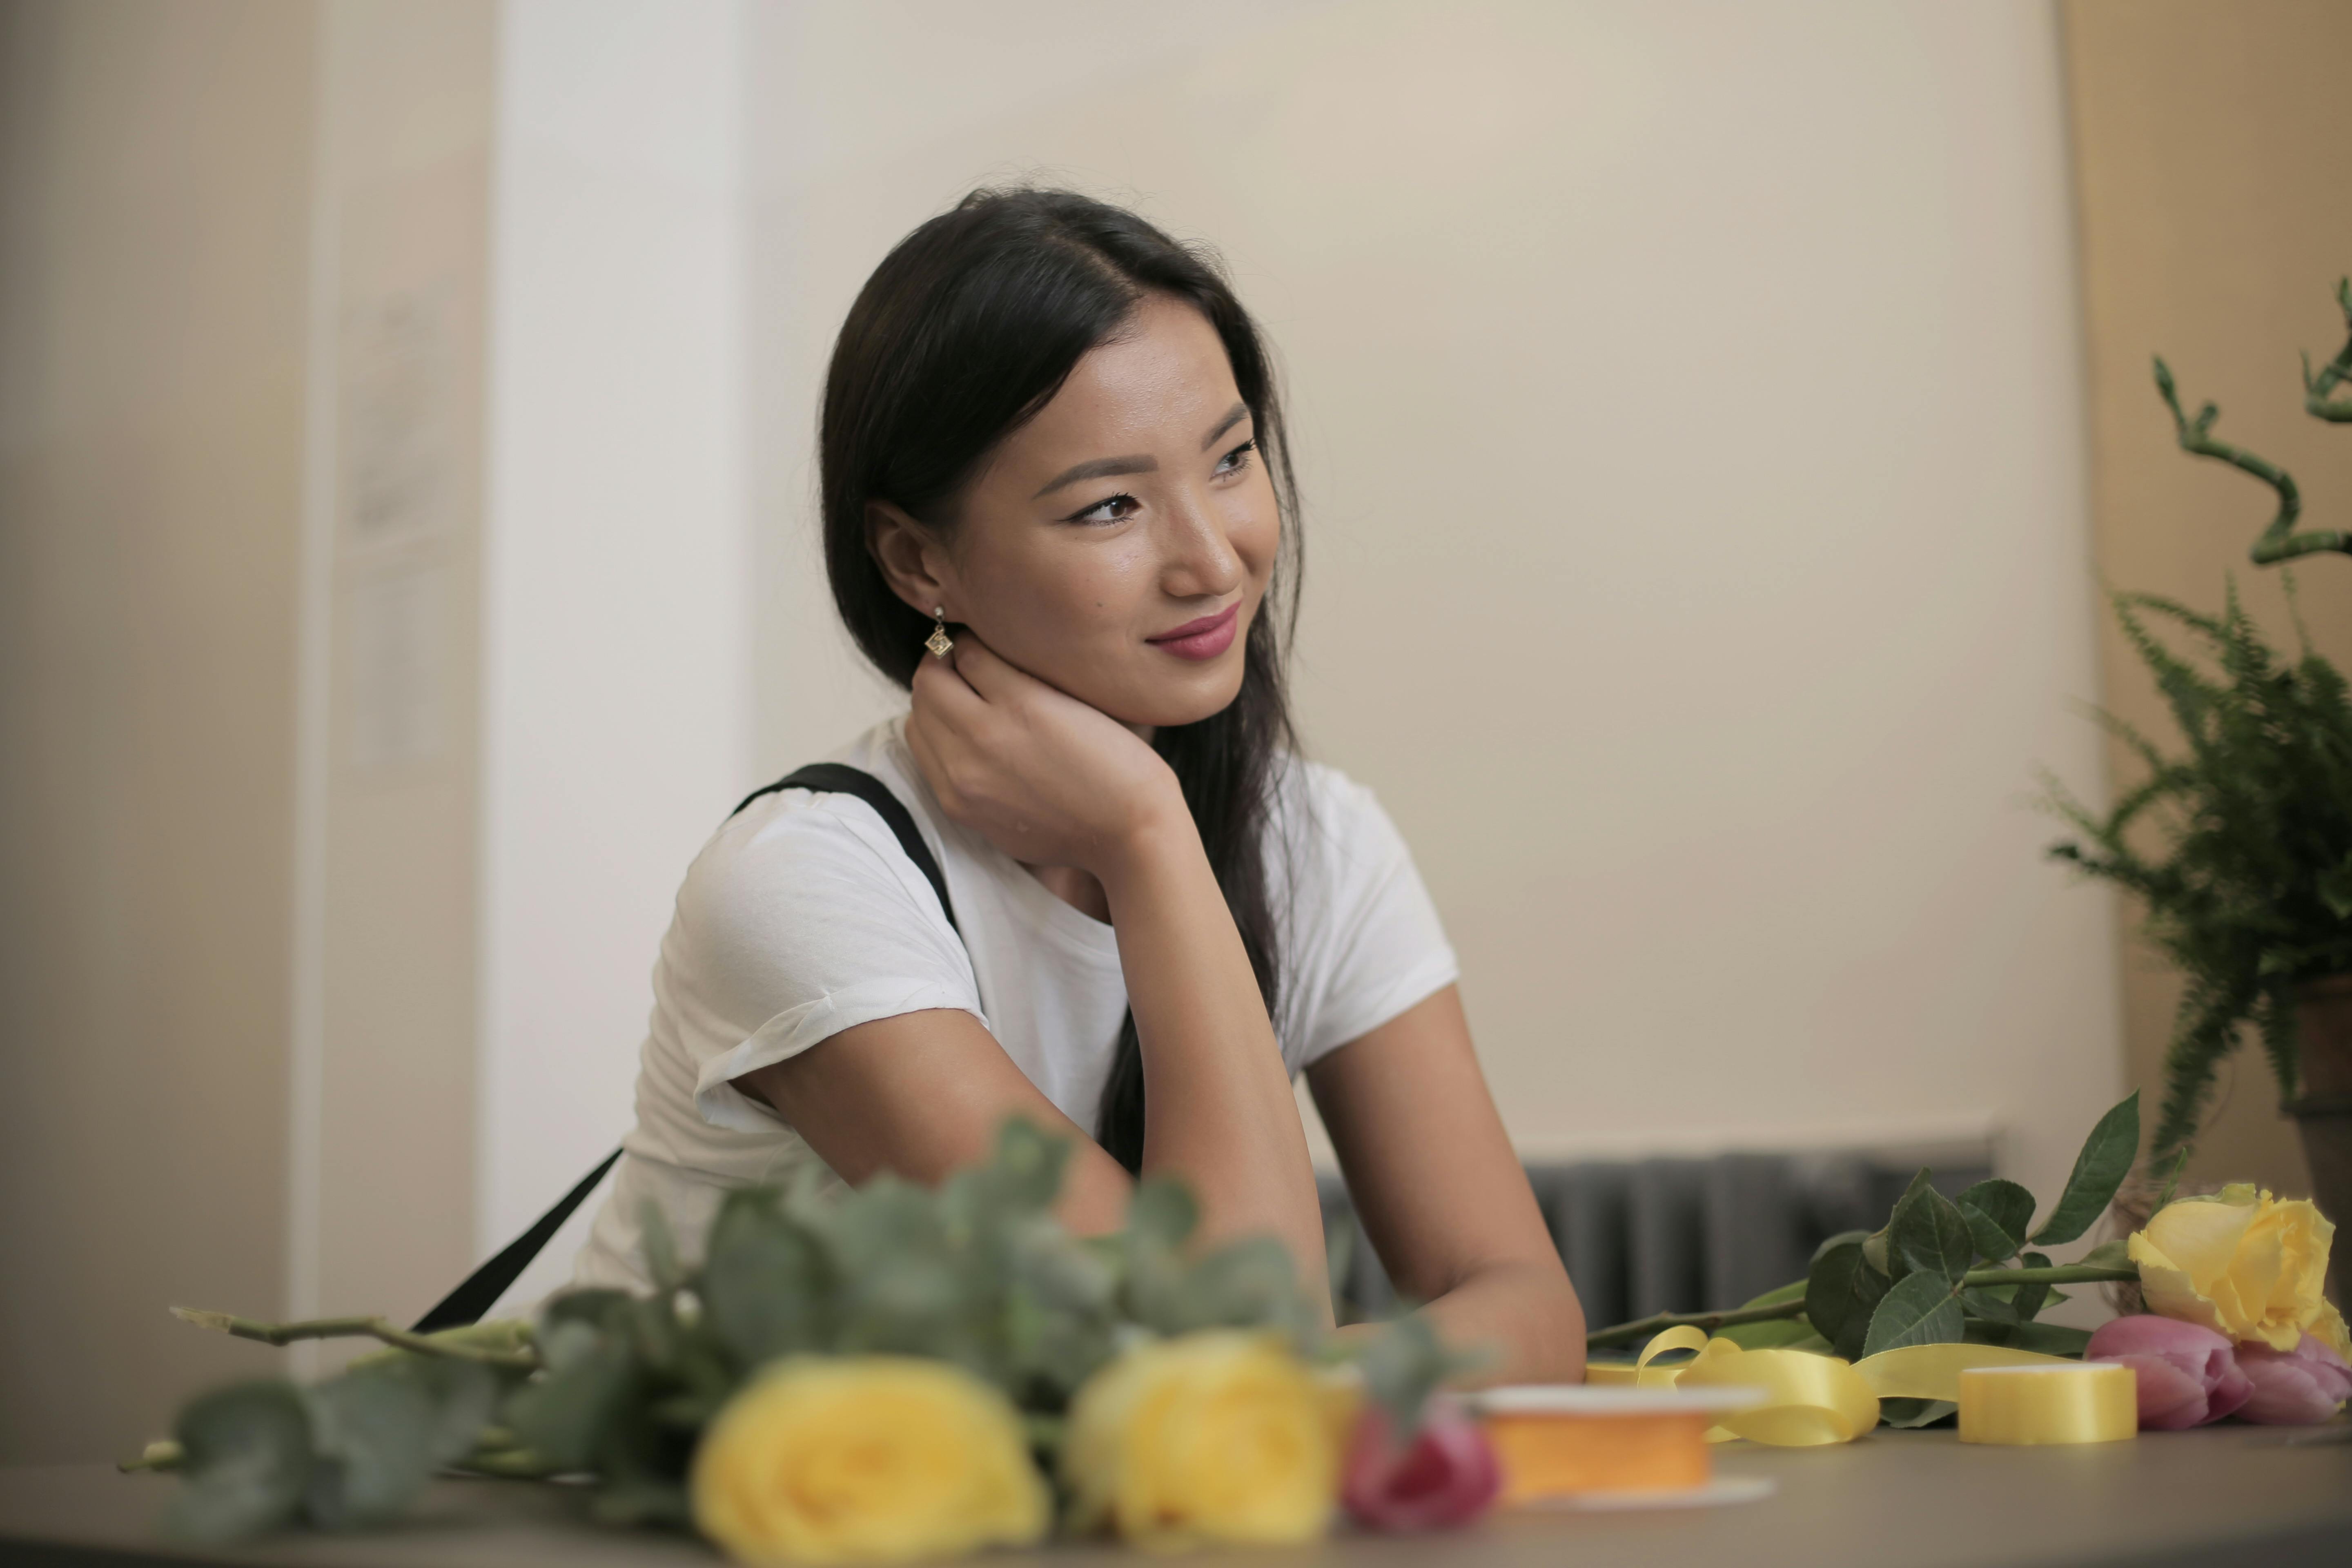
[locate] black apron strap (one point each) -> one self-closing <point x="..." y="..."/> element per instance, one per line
<point x="485" y="1285"/>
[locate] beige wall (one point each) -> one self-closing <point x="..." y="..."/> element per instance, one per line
<point x="155" y="184"/>
<point x="387" y="820"/>
<point x="2214" y="226"/>
<point x="241" y="327"/>
<point x="1689" y="420"/>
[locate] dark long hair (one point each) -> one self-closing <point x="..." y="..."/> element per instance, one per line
<point x="967" y="329"/>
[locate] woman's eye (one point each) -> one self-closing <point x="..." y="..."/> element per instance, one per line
<point x="1234" y="461"/>
<point x="1110" y="508"/>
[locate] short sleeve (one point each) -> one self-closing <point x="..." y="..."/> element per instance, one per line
<point x="803" y="918"/>
<point x="1366" y="944"/>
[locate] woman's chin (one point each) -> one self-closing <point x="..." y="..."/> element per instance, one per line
<point x="1165" y="704"/>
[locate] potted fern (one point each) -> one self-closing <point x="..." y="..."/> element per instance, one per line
<point x="2239" y="846"/>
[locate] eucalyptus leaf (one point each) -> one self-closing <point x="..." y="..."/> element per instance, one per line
<point x="2106" y="1160"/>
<point x="246" y="1462"/>
<point x="2000" y="1213"/>
<point x="764" y="1288"/>
<point x="1163" y="1211"/>
<point x="1403" y="1366"/>
<point x="563" y="1418"/>
<point x="373" y="1432"/>
<point x="1920" y="1310"/>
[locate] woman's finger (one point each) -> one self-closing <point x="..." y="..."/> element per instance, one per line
<point x="940" y="684"/>
<point x="986" y="673"/>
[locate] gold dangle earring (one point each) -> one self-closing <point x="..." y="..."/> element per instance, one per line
<point x="939" y="642"/>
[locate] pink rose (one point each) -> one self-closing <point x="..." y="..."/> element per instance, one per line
<point x="2300" y="1387"/>
<point x="1447" y="1476"/>
<point x="2187" y="1375"/>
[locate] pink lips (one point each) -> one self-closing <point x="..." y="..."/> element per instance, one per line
<point x="1204" y="638"/>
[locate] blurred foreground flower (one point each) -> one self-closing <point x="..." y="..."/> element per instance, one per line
<point x="2188" y="1373"/>
<point x="1445" y="1475"/>
<point x="2242" y="1263"/>
<point x="2300" y="1387"/>
<point x="865" y="1460"/>
<point x="1219" y="1436"/>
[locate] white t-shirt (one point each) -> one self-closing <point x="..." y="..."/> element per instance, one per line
<point x="802" y="917"/>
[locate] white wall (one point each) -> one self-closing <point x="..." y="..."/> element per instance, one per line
<point x="617" y="663"/>
<point x="1688" y="408"/>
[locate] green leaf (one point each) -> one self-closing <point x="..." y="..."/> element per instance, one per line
<point x="1906" y="1413"/>
<point x="1932" y="1235"/>
<point x="2116" y="1253"/>
<point x="1840" y="1291"/>
<point x="1773" y="1333"/>
<point x="2106" y="1158"/>
<point x="2034" y="1294"/>
<point x="2000" y="1213"/>
<point x="1991" y="1305"/>
<point x="1920" y="1310"/>
<point x="2044" y="1339"/>
<point x="246" y="1462"/>
<point x="1890" y="1258"/>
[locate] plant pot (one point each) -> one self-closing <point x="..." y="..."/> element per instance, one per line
<point x="2323" y="1113"/>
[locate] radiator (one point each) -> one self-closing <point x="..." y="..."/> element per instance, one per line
<point x="1668" y="1236"/>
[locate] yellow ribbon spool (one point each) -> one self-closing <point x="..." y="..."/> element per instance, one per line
<point x="2074" y="1401"/>
<point x="1813" y="1399"/>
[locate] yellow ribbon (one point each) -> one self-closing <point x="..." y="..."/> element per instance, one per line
<point x="1813" y="1399"/>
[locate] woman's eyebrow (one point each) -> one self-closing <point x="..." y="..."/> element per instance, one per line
<point x="1233" y="415"/>
<point x="1101" y="468"/>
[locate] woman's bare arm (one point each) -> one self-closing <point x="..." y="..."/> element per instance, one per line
<point x="1442" y="1195"/>
<point x="1052" y="781"/>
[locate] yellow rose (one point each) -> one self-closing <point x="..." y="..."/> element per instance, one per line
<point x="1218" y="1436"/>
<point x="2240" y="1262"/>
<point x="865" y="1460"/>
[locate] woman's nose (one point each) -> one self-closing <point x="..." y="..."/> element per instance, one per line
<point x="1201" y="562"/>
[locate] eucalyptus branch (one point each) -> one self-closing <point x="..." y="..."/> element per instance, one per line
<point x="2317" y="390"/>
<point x="382" y="1329"/>
<point x="2279" y="542"/>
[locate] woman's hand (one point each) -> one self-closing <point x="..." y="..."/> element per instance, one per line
<point x="1036" y="772"/>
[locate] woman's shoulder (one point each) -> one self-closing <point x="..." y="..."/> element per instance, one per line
<point x="1326" y="823"/>
<point x="792" y="849"/>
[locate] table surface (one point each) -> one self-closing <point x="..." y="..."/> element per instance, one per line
<point x="1904" y="1499"/>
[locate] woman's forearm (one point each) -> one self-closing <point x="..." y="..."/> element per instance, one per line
<point x="1218" y="1106"/>
<point x="1525" y="1316"/>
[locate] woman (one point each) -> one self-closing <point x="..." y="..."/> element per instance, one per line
<point x="1056" y="499"/>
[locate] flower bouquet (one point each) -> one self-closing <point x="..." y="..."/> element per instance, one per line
<point x="891" y="1372"/>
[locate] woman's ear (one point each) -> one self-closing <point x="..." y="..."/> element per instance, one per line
<point x="909" y="555"/>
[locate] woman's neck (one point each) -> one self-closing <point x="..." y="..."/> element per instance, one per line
<point x="1077" y="888"/>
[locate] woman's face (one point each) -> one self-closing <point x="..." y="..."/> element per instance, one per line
<point x="1119" y="545"/>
